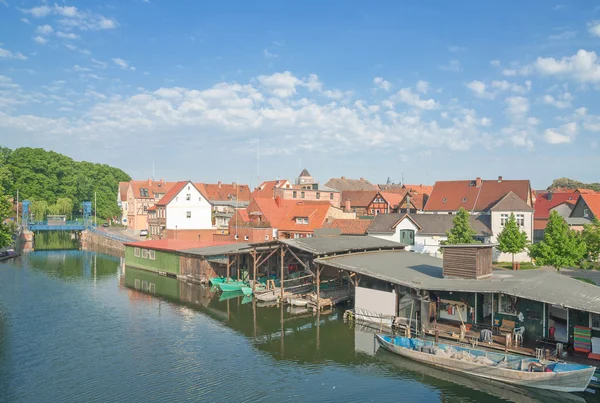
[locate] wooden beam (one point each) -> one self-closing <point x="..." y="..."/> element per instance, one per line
<point x="266" y="258"/>
<point x="282" y="268"/>
<point x="297" y="258"/>
<point x="253" y="253"/>
<point x="237" y="266"/>
<point x="318" y="288"/>
<point x="228" y="266"/>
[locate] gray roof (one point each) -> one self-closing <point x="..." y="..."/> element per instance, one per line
<point x="424" y="272"/>
<point x="217" y="250"/>
<point x="339" y="244"/>
<point x="430" y="224"/>
<point x="343" y="184"/>
<point x="577" y="220"/>
<point x="511" y="202"/>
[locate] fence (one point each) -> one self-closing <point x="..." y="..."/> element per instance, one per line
<point x="112" y="236"/>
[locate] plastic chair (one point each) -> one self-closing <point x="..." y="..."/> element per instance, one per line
<point x="518" y="335"/>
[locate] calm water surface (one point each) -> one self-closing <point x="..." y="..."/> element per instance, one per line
<point x="77" y="327"/>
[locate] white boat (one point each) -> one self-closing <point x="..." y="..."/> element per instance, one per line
<point x="507" y="368"/>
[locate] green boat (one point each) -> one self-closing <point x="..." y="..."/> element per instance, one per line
<point x="217" y="280"/>
<point x="232" y="286"/>
<point x="247" y="299"/>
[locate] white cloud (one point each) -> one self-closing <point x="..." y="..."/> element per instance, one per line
<point x="422" y="86"/>
<point x="67" y="35"/>
<point x="510" y="72"/>
<point x="39" y="12"/>
<point x="482" y="90"/>
<point x="517" y="107"/>
<point x="7" y="54"/>
<point x="99" y="63"/>
<point x="594" y="28"/>
<point x="495" y="63"/>
<point x="78" y="68"/>
<point x="70" y="12"/>
<point x="562" y="101"/>
<point x="44" y="29"/>
<point x="479" y="89"/>
<point x="106" y="23"/>
<point x="282" y="85"/>
<point x="406" y="96"/>
<point x="582" y="66"/>
<point x="122" y="64"/>
<point x="41" y="40"/>
<point x="26" y="21"/>
<point x="380" y="82"/>
<point x="453" y="66"/>
<point x="269" y="55"/>
<point x="564" y="134"/>
<point x="455" y="49"/>
<point x="564" y="35"/>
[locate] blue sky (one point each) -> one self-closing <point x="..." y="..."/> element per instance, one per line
<point x="432" y="90"/>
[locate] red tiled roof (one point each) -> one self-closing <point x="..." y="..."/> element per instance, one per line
<point x="543" y="204"/>
<point x="266" y="189"/>
<point x="417" y="200"/>
<point x="174" y="244"/>
<point x="152" y="208"/>
<point x="316" y="211"/>
<point x="349" y="226"/>
<point x="224" y="192"/>
<point x="123" y="187"/>
<point x="393" y="199"/>
<point x="170" y="195"/>
<point x="593" y="203"/>
<point x="358" y="198"/>
<point x="452" y="195"/>
<point x="585" y="191"/>
<point x="420" y="189"/>
<point x="152" y="186"/>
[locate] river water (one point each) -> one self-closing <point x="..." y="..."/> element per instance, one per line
<point x="76" y="326"/>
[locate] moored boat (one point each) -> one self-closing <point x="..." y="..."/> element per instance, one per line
<point x="232" y="286"/>
<point x="229" y="295"/>
<point x="507" y="368"/>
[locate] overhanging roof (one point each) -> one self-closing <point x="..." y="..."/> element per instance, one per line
<point x="424" y="272"/>
<point x="217" y="250"/>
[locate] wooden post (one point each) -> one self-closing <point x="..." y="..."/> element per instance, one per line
<point x="318" y="329"/>
<point x="282" y="332"/>
<point x="318" y="288"/>
<point x="254" y="316"/>
<point x="254" y="270"/>
<point x="237" y="266"/>
<point x="282" y="266"/>
<point x="228" y="266"/>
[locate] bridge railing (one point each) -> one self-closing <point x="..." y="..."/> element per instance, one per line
<point x="110" y="235"/>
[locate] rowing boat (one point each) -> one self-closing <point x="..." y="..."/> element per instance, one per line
<point x="507" y="368"/>
<point x="232" y="286"/>
<point x="217" y="280"/>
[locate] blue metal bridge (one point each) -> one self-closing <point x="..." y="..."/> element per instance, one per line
<point x="59" y="223"/>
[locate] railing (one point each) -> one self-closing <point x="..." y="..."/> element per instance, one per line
<point x="57" y="226"/>
<point x="112" y="236"/>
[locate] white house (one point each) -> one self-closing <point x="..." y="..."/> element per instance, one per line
<point x="423" y="233"/>
<point x="500" y="213"/>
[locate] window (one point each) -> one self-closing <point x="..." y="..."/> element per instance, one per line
<point x="507" y="304"/>
<point x="520" y="219"/>
<point x="309" y="235"/>
<point x="235" y="237"/>
<point x="144" y="253"/>
<point x="188" y="197"/>
<point x="595" y="321"/>
<point x="586" y="213"/>
<point x="266" y="237"/>
<point x="245" y="237"/>
<point x="152" y="254"/>
<point x="143" y="192"/>
<point x="145" y="208"/>
<point x="294" y="194"/>
<point x="372" y="212"/>
<point x="318" y="195"/>
<point x="176" y="198"/>
<point x="302" y="195"/>
<point x="503" y="219"/>
<point x="301" y="220"/>
<point x="296" y="235"/>
<point x="188" y="214"/>
<point x="407" y="237"/>
<point x="330" y="196"/>
<point x="136" y="252"/>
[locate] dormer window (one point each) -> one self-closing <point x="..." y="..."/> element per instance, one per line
<point x="301" y="220"/>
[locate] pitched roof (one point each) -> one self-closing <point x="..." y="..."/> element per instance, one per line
<point x="545" y="201"/>
<point x="355" y="226"/>
<point x="170" y="195"/>
<point x="511" y="202"/>
<point x="266" y="189"/>
<point x="393" y="199"/>
<point x="343" y="184"/>
<point x="305" y="173"/>
<point x="358" y="198"/>
<point x="395" y="188"/>
<point x="593" y="203"/>
<point x="417" y="200"/>
<point x="123" y="186"/>
<point x="174" y="244"/>
<point x="429" y="224"/>
<point x="315" y="211"/>
<point x="152" y="188"/>
<point x="585" y="191"/>
<point x="224" y="192"/>
<point x="452" y="195"/>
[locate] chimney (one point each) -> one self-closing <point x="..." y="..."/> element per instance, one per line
<point x="219" y="184"/>
<point x="499" y="179"/>
<point x="348" y="206"/>
<point x="478" y="182"/>
<point x="149" y="182"/>
<point x="343" y="177"/>
<point x="362" y="179"/>
<point x="234" y="185"/>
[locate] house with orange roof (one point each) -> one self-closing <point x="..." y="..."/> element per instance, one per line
<point x="358" y="201"/>
<point x="267" y="188"/>
<point x="352" y="226"/>
<point x="142" y="195"/>
<point x="547" y="201"/>
<point x="225" y="199"/>
<point x="585" y="210"/>
<point x="307" y="188"/>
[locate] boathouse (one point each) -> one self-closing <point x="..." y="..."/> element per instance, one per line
<point x="404" y="288"/>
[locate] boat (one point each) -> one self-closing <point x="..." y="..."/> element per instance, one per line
<point x="219" y="280"/>
<point x="232" y="286"/>
<point x="247" y="290"/>
<point x="230" y="294"/>
<point x="506" y="368"/>
<point x="247" y="299"/>
<point x="294" y="301"/>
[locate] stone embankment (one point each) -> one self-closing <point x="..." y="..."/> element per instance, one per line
<point x="102" y="241"/>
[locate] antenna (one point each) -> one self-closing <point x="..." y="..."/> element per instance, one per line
<point x="299" y="163"/>
<point x="258" y="165"/>
<point x="402" y="179"/>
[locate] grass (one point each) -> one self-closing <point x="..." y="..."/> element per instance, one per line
<point x="586" y="280"/>
<point x="508" y="265"/>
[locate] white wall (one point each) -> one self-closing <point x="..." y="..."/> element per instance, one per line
<point x="387" y="237"/>
<point x="374" y="305"/>
<point x="200" y="208"/>
<point x="497" y="229"/>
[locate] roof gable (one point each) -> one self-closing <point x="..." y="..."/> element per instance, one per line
<point x="358" y="198"/>
<point x="511" y="202"/>
<point x="593" y="203"/>
<point x="546" y="201"/>
<point x="343" y="184"/>
<point x="174" y="191"/>
<point x="353" y="226"/>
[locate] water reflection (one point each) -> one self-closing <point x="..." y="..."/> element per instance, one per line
<point x="72" y="264"/>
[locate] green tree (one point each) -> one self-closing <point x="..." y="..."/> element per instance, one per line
<point x="64" y="206"/>
<point x="461" y="232"/>
<point x="591" y="238"/>
<point x="5" y="214"/>
<point x="561" y="246"/>
<point x="38" y="209"/>
<point x="512" y="240"/>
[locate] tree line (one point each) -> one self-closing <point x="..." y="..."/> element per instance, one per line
<point x="56" y="184"/>
<point x="561" y="246"/>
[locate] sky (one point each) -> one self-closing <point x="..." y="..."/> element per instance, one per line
<point x="247" y="91"/>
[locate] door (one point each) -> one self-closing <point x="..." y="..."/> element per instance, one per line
<point x="407" y="237"/>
